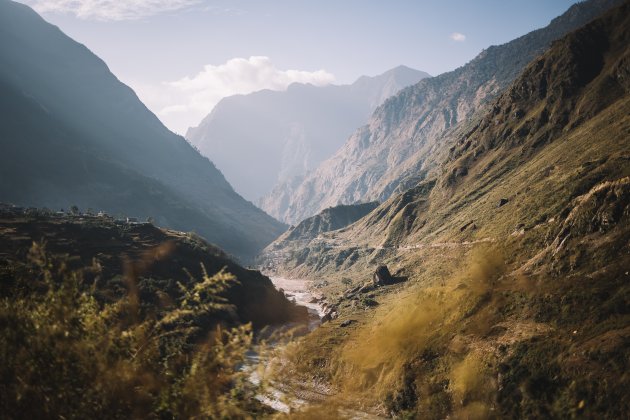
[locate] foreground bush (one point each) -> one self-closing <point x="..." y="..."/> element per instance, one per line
<point x="66" y="355"/>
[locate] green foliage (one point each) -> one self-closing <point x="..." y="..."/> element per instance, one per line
<point x="65" y="355"/>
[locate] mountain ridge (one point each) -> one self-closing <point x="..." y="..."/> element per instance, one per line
<point x="294" y="129"/>
<point x="409" y="128"/>
<point x="101" y="147"/>
<point x="513" y="255"/>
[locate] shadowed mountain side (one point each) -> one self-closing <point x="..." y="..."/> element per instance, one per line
<point x="103" y="318"/>
<point x="404" y="135"/>
<point x="72" y="134"/>
<point x="269" y="137"/>
<point x="311" y="231"/>
<point x="161" y="258"/>
<point x="329" y="219"/>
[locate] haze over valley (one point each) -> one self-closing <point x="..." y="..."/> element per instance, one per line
<point x="299" y="128"/>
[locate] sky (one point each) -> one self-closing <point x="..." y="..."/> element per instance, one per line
<point x="182" y="56"/>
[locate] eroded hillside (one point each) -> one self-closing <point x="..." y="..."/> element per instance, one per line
<point x="515" y="255"/>
<point x="403" y="140"/>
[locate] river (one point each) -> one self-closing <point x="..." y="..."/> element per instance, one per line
<point x="298" y="291"/>
<point x="309" y="393"/>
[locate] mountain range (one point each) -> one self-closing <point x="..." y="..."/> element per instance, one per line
<point x="266" y="138"/>
<point x="404" y="136"/>
<point x="512" y="252"/>
<point x="73" y="134"/>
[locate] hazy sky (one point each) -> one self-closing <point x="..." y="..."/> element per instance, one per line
<point x="182" y="56"/>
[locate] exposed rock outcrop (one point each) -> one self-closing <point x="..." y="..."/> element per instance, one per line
<point x="382" y="276"/>
<point x="294" y="129"/>
<point x="407" y="134"/>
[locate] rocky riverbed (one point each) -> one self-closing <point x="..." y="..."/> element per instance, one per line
<point x="278" y="395"/>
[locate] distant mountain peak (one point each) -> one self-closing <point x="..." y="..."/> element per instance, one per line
<point x="400" y="70"/>
<point x="295" y="129"/>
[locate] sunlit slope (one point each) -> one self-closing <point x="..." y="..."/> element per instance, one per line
<point x="399" y="144"/>
<point x="516" y="254"/>
<point x="561" y="129"/>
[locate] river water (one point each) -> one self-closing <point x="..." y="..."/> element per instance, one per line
<point x="298" y="291"/>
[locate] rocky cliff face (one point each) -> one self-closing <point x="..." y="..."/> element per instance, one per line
<point x="400" y="143"/>
<point x="269" y="137"/>
<point x="312" y="230"/>
<point x="73" y="134"/>
<point x="557" y="132"/>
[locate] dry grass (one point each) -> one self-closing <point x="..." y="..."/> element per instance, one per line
<point x="392" y="355"/>
<point x="425" y="318"/>
<point x="67" y="356"/>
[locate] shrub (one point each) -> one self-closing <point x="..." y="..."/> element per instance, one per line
<point x="65" y="355"/>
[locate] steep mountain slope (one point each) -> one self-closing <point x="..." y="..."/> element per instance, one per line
<point x="401" y="137"/>
<point x="559" y="130"/>
<point x="72" y="134"/>
<point x="313" y="229"/>
<point x="329" y="219"/>
<point x="270" y="137"/>
<point x="516" y="252"/>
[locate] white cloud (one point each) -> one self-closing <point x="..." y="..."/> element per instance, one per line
<point x="183" y="103"/>
<point x="456" y="36"/>
<point x="110" y="9"/>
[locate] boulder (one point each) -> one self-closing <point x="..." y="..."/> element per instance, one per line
<point x="502" y="202"/>
<point x="369" y="303"/>
<point x="382" y="276"/>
